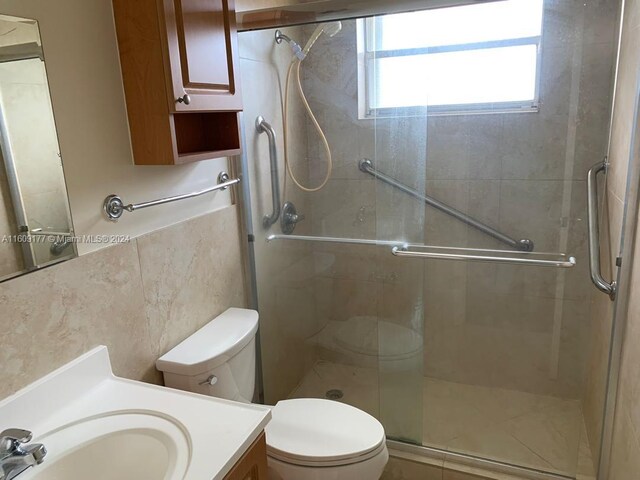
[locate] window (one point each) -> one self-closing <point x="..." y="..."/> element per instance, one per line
<point x="473" y="58"/>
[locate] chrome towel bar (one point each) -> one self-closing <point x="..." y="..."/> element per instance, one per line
<point x="404" y="249"/>
<point x="524" y="245"/>
<point x="114" y="207"/>
<point x="594" y="231"/>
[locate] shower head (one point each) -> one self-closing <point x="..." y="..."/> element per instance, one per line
<point x="329" y="28"/>
<point x="332" y="28"/>
<point x="297" y="49"/>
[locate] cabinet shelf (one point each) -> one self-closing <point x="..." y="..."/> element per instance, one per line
<point x="205" y="135"/>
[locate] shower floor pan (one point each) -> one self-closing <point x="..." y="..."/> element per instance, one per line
<point x="537" y="432"/>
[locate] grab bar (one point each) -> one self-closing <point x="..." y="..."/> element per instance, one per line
<point x="594" y="233"/>
<point x="404" y="249"/>
<point x="114" y="207"/>
<point x="524" y="245"/>
<point x="262" y="126"/>
<point x="491" y="256"/>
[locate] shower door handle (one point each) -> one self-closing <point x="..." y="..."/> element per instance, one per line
<point x="262" y="126"/>
<point x="403" y="249"/>
<point x="594" y="231"/>
<point x="558" y="260"/>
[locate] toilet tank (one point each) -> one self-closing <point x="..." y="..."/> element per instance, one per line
<point x="218" y="360"/>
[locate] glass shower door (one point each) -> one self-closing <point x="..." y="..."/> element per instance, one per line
<point x="400" y="151"/>
<point x="516" y="96"/>
<point x="341" y="316"/>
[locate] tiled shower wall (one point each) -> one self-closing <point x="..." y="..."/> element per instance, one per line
<point x="139" y="298"/>
<point x="504" y="326"/>
<point x="625" y="459"/>
<point x="284" y="269"/>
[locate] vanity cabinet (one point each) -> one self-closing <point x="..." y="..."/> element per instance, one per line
<point x="179" y="61"/>
<point x="253" y="464"/>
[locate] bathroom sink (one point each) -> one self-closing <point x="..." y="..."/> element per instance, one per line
<point x="96" y="426"/>
<point x="120" y="445"/>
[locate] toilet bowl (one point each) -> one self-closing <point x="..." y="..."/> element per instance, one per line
<point x="307" y="438"/>
<point x="317" y="439"/>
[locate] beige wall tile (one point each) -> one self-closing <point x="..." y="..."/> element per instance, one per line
<point x="336" y="211"/>
<point x="139" y="299"/>
<point x="629" y="383"/>
<point x="597" y="368"/>
<point x="602" y="307"/>
<point x="286" y="271"/>
<point x="53" y="315"/>
<point x="592" y="129"/>
<point x="191" y="272"/>
<point x="507" y="170"/>
<point x="624" y="106"/>
<point x="625" y="456"/>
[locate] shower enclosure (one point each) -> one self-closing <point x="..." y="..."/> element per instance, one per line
<point x="439" y="280"/>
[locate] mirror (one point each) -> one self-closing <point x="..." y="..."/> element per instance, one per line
<point x="35" y="222"/>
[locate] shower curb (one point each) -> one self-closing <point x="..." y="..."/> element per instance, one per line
<point x="476" y="468"/>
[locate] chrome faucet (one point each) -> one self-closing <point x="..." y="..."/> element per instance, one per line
<point x="15" y="455"/>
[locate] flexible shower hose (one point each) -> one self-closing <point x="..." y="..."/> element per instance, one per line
<point x="295" y="66"/>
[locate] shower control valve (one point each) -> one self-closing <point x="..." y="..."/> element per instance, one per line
<point x="290" y="218"/>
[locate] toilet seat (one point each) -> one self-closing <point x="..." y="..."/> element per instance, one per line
<point x="322" y="433"/>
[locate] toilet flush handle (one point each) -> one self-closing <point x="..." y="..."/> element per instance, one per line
<point x="212" y="380"/>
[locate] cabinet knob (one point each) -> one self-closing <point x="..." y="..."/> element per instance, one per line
<point x="186" y="99"/>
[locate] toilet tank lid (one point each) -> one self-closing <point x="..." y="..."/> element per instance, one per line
<point x="212" y="345"/>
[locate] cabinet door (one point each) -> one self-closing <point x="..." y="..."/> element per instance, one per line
<point x="202" y="55"/>
<point x="253" y="464"/>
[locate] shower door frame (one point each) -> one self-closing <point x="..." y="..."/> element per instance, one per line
<point x="621" y="303"/>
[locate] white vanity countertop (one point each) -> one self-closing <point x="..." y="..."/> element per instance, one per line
<point x="218" y="431"/>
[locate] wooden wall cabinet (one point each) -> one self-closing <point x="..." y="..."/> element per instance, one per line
<point x="179" y="62"/>
<point x="253" y="464"/>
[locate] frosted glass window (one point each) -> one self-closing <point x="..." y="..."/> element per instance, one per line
<point x="468" y="58"/>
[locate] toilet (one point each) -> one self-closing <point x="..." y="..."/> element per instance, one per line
<point x="307" y="438"/>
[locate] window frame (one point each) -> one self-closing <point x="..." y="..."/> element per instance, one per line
<point x="367" y="56"/>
